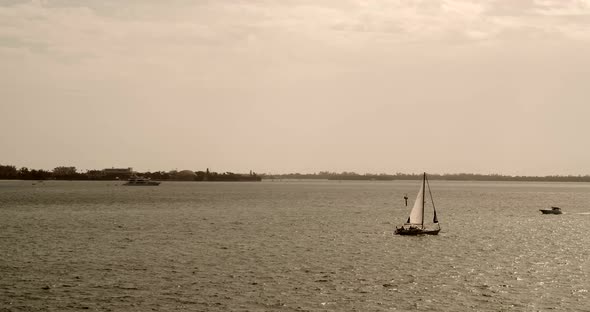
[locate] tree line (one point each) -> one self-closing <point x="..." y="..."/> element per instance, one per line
<point x="325" y="175"/>
<point x="9" y="172"/>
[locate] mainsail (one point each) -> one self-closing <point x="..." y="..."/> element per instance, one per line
<point x="417" y="213"/>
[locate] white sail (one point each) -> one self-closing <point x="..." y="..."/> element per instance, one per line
<point x="417" y="214"/>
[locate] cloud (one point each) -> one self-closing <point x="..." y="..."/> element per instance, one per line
<point x="69" y="29"/>
<point x="239" y="43"/>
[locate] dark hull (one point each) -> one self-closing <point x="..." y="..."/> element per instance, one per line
<point x="403" y="231"/>
<point x="547" y="211"/>
<point x="143" y="184"/>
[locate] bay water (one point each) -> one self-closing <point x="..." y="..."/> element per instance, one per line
<point x="291" y="246"/>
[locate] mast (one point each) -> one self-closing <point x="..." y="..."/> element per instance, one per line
<point x="423" y="191"/>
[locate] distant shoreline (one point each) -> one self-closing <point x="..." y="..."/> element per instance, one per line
<point x="9" y="172"/>
<point x="69" y="173"/>
<point x="443" y="177"/>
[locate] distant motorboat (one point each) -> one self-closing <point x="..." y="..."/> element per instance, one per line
<point x="553" y="210"/>
<point x="141" y="181"/>
<point x="415" y="223"/>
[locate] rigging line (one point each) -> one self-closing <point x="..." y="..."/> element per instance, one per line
<point x="430" y="192"/>
<point x="432" y="200"/>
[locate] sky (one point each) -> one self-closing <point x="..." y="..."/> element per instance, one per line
<point x="371" y="86"/>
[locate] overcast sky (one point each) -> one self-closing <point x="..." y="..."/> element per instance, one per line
<point x="441" y="86"/>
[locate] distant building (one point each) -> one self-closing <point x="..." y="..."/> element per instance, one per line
<point x="117" y="170"/>
<point x="184" y="175"/>
<point x="122" y="173"/>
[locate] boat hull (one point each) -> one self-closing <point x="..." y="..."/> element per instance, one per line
<point x="142" y="184"/>
<point x="548" y="211"/>
<point x="414" y="232"/>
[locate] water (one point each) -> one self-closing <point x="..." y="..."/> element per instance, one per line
<point x="291" y="246"/>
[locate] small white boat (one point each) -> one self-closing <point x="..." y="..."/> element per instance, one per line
<point x="141" y="181"/>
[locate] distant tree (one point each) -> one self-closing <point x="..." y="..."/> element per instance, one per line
<point x="94" y="174"/>
<point x="200" y="175"/>
<point x="24" y="173"/>
<point x="40" y="174"/>
<point x="8" y="172"/>
<point x="63" y="172"/>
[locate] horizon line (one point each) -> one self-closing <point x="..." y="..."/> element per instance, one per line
<point x="327" y="172"/>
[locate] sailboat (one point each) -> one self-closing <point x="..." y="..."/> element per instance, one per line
<point x="415" y="223"/>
